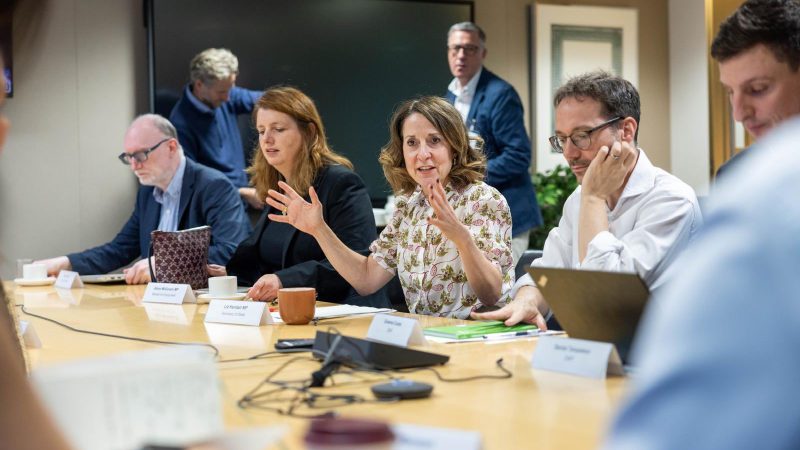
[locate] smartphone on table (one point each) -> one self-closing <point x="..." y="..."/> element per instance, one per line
<point x="294" y="344"/>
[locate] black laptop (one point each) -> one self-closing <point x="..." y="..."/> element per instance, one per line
<point x="593" y="305"/>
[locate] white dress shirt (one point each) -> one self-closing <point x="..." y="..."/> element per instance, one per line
<point x="170" y="199"/>
<point x="465" y="94"/>
<point x="653" y="221"/>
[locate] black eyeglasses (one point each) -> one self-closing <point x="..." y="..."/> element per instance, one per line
<point x="469" y="50"/>
<point x="581" y="139"/>
<point x="141" y="155"/>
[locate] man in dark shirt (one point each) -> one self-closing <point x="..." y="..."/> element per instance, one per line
<point x="205" y="117"/>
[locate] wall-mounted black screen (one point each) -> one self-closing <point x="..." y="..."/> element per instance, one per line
<point x="356" y="58"/>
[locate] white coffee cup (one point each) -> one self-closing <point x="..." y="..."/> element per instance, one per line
<point x="34" y="272"/>
<point x="222" y="286"/>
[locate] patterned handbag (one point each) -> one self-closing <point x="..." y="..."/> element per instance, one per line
<point x="180" y="256"/>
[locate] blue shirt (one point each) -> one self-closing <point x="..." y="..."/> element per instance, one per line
<point x="170" y="199"/>
<point x="211" y="137"/>
<point x="202" y="107"/>
<point x="717" y="350"/>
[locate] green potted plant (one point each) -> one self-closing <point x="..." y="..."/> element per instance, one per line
<point x="552" y="189"/>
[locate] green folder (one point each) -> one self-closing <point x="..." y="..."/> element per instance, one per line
<point x="477" y="329"/>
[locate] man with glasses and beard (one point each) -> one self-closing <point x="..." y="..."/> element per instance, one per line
<point x="175" y="194"/>
<point x="626" y="216"/>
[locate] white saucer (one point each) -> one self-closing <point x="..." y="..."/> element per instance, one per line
<point x="239" y="296"/>
<point x="45" y="282"/>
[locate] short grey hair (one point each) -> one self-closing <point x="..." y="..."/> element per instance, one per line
<point x="469" y="27"/>
<point x="161" y="123"/>
<point x="213" y="64"/>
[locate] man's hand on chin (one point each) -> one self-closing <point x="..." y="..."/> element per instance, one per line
<point x="525" y="307"/>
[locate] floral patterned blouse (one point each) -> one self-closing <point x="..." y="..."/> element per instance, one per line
<point x="430" y="268"/>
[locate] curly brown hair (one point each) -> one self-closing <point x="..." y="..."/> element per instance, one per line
<point x="315" y="153"/>
<point x="469" y="164"/>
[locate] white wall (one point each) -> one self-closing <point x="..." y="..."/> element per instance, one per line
<point x="505" y="23"/>
<point x="79" y="73"/>
<point x="689" y="111"/>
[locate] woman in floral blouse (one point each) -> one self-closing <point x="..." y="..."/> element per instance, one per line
<point x="450" y="237"/>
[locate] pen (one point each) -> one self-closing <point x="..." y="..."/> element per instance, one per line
<point x="511" y="334"/>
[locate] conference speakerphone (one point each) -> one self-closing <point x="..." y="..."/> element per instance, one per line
<point x="358" y="352"/>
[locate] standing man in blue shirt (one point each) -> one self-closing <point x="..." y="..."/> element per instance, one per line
<point x="205" y="117"/>
<point x="492" y="109"/>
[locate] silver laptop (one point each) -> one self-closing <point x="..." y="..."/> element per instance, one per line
<point x="109" y="278"/>
<point x="599" y="306"/>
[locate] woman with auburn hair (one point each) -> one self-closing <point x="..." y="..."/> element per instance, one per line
<point x="292" y="149"/>
<point x="450" y="237"/>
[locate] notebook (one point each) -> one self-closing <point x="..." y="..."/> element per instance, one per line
<point x="477" y="329"/>
<point x="593" y="305"/>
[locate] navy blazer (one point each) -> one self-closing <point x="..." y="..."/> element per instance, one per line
<point x="347" y="210"/>
<point x="213" y="138"/>
<point x="496" y="115"/>
<point x="207" y="198"/>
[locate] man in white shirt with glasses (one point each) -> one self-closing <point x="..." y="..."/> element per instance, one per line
<point x="175" y="194"/>
<point x="626" y="216"/>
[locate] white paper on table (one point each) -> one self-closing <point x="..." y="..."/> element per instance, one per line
<point x="249" y="439"/>
<point x="330" y="312"/>
<point x="123" y="401"/>
<point x="417" y="437"/>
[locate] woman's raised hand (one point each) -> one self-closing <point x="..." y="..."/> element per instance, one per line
<point x="444" y="216"/>
<point x="305" y="216"/>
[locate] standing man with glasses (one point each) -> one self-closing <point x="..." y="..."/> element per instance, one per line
<point x="176" y="194"/>
<point x="627" y="215"/>
<point x="492" y="109"/>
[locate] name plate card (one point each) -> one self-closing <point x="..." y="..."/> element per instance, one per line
<point x="68" y="279"/>
<point x="577" y="357"/>
<point x="237" y="312"/>
<point x="29" y="336"/>
<point x="69" y="296"/>
<point x="177" y="314"/>
<point x="174" y="294"/>
<point x="396" y="330"/>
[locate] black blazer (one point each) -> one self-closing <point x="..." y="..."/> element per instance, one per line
<point x="346" y="208"/>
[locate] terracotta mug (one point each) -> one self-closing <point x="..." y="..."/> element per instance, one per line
<point x="296" y="305"/>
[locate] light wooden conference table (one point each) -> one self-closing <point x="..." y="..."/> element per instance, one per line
<point x="533" y="409"/>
